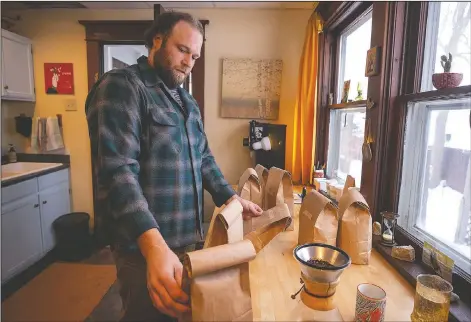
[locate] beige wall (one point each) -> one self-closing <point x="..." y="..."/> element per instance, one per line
<point x="10" y="109"/>
<point x="58" y="37"/>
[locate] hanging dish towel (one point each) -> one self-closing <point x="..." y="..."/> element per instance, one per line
<point x="42" y="137"/>
<point x="53" y="133"/>
<point x="35" y="135"/>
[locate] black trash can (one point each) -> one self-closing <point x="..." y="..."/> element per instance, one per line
<point x="73" y="238"/>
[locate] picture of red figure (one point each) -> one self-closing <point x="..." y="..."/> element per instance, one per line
<point x="59" y="78"/>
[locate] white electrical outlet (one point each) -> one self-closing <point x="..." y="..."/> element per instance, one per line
<point x="71" y="104"/>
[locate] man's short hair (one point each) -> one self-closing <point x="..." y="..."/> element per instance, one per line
<point x="164" y="25"/>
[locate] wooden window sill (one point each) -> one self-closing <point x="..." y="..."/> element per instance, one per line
<point x="348" y="105"/>
<point x="440" y="94"/>
<point x="459" y="311"/>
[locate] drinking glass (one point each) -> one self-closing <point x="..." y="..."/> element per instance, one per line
<point x="432" y="299"/>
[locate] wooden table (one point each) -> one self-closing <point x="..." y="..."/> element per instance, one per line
<point x="274" y="277"/>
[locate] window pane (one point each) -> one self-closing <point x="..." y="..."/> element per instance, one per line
<point x="447" y="161"/>
<point x="354" y="44"/>
<point x="347" y="131"/>
<point x="119" y="56"/>
<point x="436" y="183"/>
<point x="448" y="31"/>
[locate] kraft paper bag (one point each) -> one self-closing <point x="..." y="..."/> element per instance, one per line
<point x="355" y="229"/>
<point x="217" y="279"/>
<point x="249" y="187"/>
<point x="264" y="228"/>
<point x="262" y="174"/>
<point x="279" y="190"/>
<point x="318" y="220"/>
<point x="226" y="226"/>
<point x="349" y="183"/>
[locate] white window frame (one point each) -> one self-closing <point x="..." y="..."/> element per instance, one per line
<point x="411" y="203"/>
<point x="431" y="39"/>
<point x="431" y="45"/>
<point x="342" y="49"/>
<point x="333" y="150"/>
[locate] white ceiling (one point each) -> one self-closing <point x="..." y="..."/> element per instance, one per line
<point x="198" y="4"/>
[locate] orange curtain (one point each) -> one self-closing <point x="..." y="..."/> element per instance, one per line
<point x="304" y="130"/>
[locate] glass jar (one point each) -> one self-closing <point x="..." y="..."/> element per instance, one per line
<point x="432" y="299"/>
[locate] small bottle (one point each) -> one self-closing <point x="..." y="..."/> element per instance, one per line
<point x="304" y="193"/>
<point x="11" y="153"/>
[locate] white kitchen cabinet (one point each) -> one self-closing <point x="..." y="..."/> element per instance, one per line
<point x="28" y="210"/>
<point x="21" y="235"/>
<point x="17" y="68"/>
<point x="55" y="202"/>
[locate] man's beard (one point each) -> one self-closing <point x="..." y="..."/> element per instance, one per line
<point x="169" y="76"/>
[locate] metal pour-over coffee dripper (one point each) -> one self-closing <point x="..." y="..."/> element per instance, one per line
<point x="333" y="255"/>
<point x="320" y="280"/>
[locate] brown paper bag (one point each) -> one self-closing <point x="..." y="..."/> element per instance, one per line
<point x="318" y="220"/>
<point x="217" y="276"/>
<point x="226" y="227"/>
<point x="262" y="174"/>
<point x="279" y="190"/>
<point x="349" y="183"/>
<point x="249" y="187"/>
<point x="218" y="280"/>
<point x="355" y="227"/>
<point x="264" y="228"/>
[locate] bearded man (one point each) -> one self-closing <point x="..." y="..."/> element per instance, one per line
<point x="151" y="164"/>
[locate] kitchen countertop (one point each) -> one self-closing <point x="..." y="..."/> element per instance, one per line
<point x="39" y="169"/>
<point x="275" y="274"/>
<point x="39" y="157"/>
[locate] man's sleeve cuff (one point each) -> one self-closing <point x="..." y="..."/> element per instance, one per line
<point x="133" y="225"/>
<point x="223" y="195"/>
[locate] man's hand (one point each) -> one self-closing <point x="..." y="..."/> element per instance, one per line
<point x="249" y="209"/>
<point x="164" y="280"/>
<point x="164" y="275"/>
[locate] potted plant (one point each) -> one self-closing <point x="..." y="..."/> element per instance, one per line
<point x="446" y="79"/>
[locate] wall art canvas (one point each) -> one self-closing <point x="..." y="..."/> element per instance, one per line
<point x="59" y="78"/>
<point x="251" y="88"/>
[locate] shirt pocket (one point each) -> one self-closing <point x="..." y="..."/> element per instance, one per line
<point x="165" y="132"/>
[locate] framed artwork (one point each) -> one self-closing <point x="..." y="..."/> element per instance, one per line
<point x="59" y="78"/>
<point x="346" y="90"/>
<point x="373" y="59"/>
<point x="118" y="63"/>
<point x="251" y="88"/>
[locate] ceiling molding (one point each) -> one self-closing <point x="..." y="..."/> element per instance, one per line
<point x="47" y="4"/>
<point x="174" y="5"/>
<point x="179" y="5"/>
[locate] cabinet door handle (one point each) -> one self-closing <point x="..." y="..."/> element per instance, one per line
<point x="44" y="202"/>
<point x="5" y="87"/>
<point x="36" y="205"/>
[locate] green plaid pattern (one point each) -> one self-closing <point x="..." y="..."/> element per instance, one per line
<point x="152" y="159"/>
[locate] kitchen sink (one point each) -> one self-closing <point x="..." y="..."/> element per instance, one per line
<point x="16" y="169"/>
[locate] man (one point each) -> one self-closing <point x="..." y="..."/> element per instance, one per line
<point x="151" y="162"/>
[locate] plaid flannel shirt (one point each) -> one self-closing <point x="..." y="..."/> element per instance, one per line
<point x="151" y="159"/>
